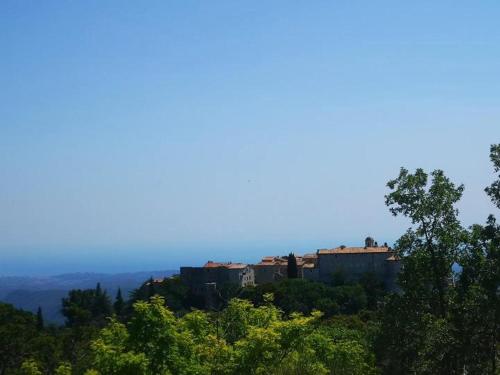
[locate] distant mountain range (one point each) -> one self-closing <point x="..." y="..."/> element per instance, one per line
<point x="28" y="293"/>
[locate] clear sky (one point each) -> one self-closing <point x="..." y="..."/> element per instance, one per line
<point x="146" y="135"/>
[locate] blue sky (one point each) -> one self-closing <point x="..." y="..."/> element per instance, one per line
<point x="141" y="135"/>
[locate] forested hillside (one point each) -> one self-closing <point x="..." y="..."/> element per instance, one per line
<point x="30" y="293"/>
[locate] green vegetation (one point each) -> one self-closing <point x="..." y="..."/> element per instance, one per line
<point x="305" y="296"/>
<point x="441" y="322"/>
<point x="241" y="339"/>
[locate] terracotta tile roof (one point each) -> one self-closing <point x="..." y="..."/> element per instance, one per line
<point x="283" y="261"/>
<point x="309" y="256"/>
<point x="268" y="259"/>
<point x="211" y="264"/>
<point x="273" y="263"/>
<point x="356" y="250"/>
<point x="235" y="266"/>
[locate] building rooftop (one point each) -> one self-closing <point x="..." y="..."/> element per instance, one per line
<point x="273" y="261"/>
<point x="311" y="256"/>
<point x="283" y="260"/>
<point x="356" y="250"/>
<point x="228" y="265"/>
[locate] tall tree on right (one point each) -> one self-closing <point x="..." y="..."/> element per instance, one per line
<point x="477" y="313"/>
<point x="494" y="189"/>
<point x="442" y="322"/>
<point x="415" y="335"/>
<point x="292" y="271"/>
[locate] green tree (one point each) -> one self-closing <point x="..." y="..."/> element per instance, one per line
<point x="241" y="339"/>
<point x="477" y="311"/>
<point x="98" y="290"/>
<point x="39" y="319"/>
<point x="291" y="268"/>
<point x="17" y="330"/>
<point x="30" y="367"/>
<point x="63" y="369"/>
<point x="302" y="295"/>
<point x="119" y="303"/>
<point x="102" y="306"/>
<point x="374" y="289"/>
<point x="494" y="189"/>
<point x="415" y="335"/>
<point x="434" y="241"/>
<point x="112" y="355"/>
<point x="86" y="306"/>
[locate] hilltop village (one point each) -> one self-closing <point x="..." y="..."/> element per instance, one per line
<point x="322" y="266"/>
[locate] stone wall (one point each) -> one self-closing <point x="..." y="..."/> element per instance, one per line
<point x="196" y="277"/>
<point x="351" y="266"/>
<point x="268" y="273"/>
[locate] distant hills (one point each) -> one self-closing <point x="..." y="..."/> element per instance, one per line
<point x="28" y="293"/>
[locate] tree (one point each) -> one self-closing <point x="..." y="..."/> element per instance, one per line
<point x="119" y="303"/>
<point x="98" y="290"/>
<point x="30" y="367"/>
<point x="477" y="311"/>
<point x="86" y="306"/>
<point x="433" y="242"/>
<point x="112" y="356"/>
<point x="63" y="369"/>
<point x="241" y="339"/>
<point x="305" y="296"/>
<point x="39" y="319"/>
<point x="291" y="268"/>
<point x="17" y="329"/>
<point x="102" y="306"/>
<point x="416" y="336"/>
<point x="494" y="189"/>
<point x="374" y="289"/>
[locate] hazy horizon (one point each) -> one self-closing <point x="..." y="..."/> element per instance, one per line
<point x="56" y="261"/>
<point x="148" y="136"/>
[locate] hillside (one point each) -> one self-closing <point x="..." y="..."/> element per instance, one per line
<point x="28" y="293"/>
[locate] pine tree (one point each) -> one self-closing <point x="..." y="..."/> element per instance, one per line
<point x="119" y="303"/>
<point x="291" y="269"/>
<point x="39" y="319"/>
<point x="102" y="305"/>
<point x="98" y="290"/>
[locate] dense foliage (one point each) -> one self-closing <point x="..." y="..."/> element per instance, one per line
<point x="240" y="339"/>
<point x="444" y="320"/>
<point x="305" y="296"/>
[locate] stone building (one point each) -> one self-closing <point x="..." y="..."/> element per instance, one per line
<point x="216" y="274"/>
<point x="352" y="262"/>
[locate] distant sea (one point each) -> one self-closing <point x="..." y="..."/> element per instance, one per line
<point x="37" y="261"/>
